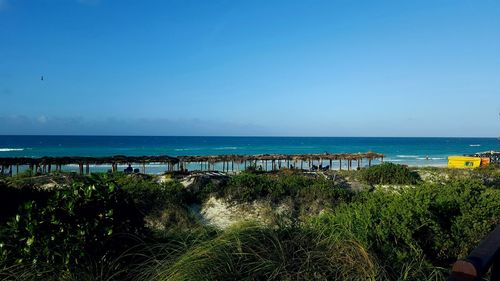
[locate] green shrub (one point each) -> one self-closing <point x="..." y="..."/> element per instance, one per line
<point x="78" y="223"/>
<point x="151" y="196"/>
<point x="489" y="175"/>
<point x="389" y="173"/>
<point x="164" y="205"/>
<point x="248" y="187"/>
<point x="433" y="224"/>
<point x="12" y="197"/>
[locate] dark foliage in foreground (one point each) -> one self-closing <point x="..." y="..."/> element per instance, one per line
<point x="93" y="229"/>
<point x="77" y="223"/>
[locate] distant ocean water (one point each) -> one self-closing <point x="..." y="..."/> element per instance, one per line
<point x="411" y="151"/>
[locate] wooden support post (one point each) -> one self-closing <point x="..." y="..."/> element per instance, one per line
<point x="87" y="169"/>
<point x="17" y="169"/>
<point x="340" y="164"/>
<point x="331" y="167"/>
<point x="144" y="167"/>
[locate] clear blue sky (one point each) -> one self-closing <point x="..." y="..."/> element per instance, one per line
<point x="300" y="68"/>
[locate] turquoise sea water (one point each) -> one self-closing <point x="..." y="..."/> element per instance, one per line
<point x="411" y="151"/>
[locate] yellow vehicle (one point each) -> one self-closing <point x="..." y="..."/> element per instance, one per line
<point x="464" y="162"/>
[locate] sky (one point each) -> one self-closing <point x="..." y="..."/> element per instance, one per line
<point x="250" y="67"/>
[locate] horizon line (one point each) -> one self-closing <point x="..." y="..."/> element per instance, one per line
<point x="235" y="136"/>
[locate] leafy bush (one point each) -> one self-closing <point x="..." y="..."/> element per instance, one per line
<point x="248" y="187"/>
<point x="164" y="205"/>
<point x="389" y="173"/>
<point x="151" y="196"/>
<point x="12" y="197"/>
<point x="78" y="223"/>
<point x="489" y="175"/>
<point x="429" y="225"/>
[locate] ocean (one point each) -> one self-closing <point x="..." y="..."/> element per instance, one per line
<point x="410" y="151"/>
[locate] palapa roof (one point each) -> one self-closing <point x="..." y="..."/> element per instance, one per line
<point x="121" y="159"/>
<point x="65" y="160"/>
<point x="270" y="157"/>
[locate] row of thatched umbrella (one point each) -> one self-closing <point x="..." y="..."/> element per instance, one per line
<point x="180" y="162"/>
<point x="276" y="157"/>
<point x="66" y="160"/>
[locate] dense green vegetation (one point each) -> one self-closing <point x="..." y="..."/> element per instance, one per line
<point x="304" y="191"/>
<point x="119" y="227"/>
<point x="389" y="173"/>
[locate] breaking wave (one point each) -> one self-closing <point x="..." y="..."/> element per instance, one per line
<point x="407" y="156"/>
<point x="11" y="149"/>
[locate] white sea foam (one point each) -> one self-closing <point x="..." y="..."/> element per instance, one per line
<point x="431" y="158"/>
<point x="186" y="149"/>
<point x="226" y="148"/>
<point x="407" y="156"/>
<point x="11" y="149"/>
<point x="474" y="145"/>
